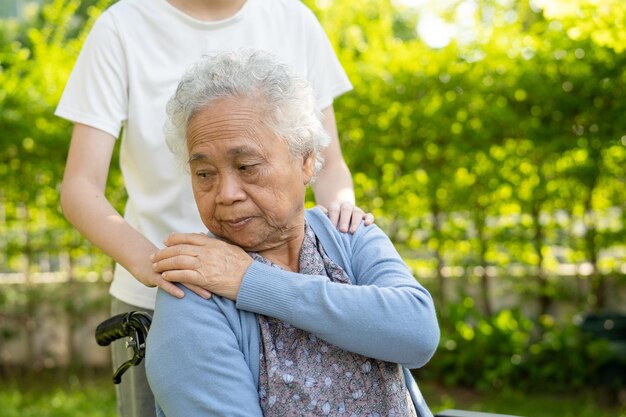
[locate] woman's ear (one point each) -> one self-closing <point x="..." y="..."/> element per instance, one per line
<point x="308" y="167"/>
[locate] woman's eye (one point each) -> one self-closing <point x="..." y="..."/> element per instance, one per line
<point x="247" y="168"/>
<point x="203" y="174"/>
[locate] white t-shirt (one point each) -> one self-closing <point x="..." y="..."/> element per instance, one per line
<point x="129" y="67"/>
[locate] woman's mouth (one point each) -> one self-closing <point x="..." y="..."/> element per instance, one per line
<point x="238" y="223"/>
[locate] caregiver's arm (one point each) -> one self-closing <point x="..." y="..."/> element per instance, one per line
<point x="333" y="188"/>
<point x="194" y="364"/>
<point x="85" y="205"/>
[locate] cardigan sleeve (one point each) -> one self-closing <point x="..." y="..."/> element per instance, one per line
<point x="194" y="363"/>
<point x="386" y="315"/>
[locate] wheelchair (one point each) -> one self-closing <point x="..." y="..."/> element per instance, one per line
<point x="134" y="327"/>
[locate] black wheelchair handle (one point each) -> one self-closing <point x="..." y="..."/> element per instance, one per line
<point x="113" y="328"/>
<point x="134" y="326"/>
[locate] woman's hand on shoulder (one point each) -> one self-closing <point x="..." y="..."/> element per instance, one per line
<point x="199" y="261"/>
<point x="347" y="216"/>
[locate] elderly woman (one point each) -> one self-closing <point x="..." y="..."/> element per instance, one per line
<point x="304" y="320"/>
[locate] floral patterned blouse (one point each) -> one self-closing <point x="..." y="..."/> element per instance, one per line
<point x="302" y="375"/>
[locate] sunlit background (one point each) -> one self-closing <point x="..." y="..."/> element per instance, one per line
<point x="487" y="136"/>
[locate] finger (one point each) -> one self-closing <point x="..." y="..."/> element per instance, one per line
<point x="175" y="263"/>
<point x="324" y="209"/>
<point x="333" y="213"/>
<point x="356" y="220"/>
<point x="199" y="290"/>
<point x="184" y="276"/>
<point x="368" y="219"/>
<point x="346" y="214"/>
<point x="175" y="250"/>
<point x="195" y="239"/>
<point x="170" y="288"/>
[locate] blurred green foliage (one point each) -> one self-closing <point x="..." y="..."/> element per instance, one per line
<point x="496" y="164"/>
<point x="36" y="57"/>
<point x="506" y="351"/>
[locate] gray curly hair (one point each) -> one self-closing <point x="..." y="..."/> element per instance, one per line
<point x="286" y="99"/>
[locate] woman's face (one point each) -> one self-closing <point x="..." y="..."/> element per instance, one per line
<point x="248" y="187"/>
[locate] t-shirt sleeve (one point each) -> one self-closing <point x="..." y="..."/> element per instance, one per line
<point x="325" y="71"/>
<point x="96" y="93"/>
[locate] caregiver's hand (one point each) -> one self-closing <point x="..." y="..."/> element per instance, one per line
<point x="347" y="216"/>
<point x="195" y="259"/>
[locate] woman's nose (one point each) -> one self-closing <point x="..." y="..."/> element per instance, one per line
<point x="230" y="190"/>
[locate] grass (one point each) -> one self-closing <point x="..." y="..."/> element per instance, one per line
<point x="58" y="395"/>
<point x="537" y="404"/>
<point x="49" y="395"/>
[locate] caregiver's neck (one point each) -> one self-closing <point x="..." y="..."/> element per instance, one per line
<point x="208" y="10"/>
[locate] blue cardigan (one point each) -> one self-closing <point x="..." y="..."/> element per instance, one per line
<point x="203" y="355"/>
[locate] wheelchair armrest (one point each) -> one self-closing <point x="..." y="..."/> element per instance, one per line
<point x="463" y="413"/>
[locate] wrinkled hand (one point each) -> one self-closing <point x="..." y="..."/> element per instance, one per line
<point x="347" y="216"/>
<point x="195" y="259"/>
